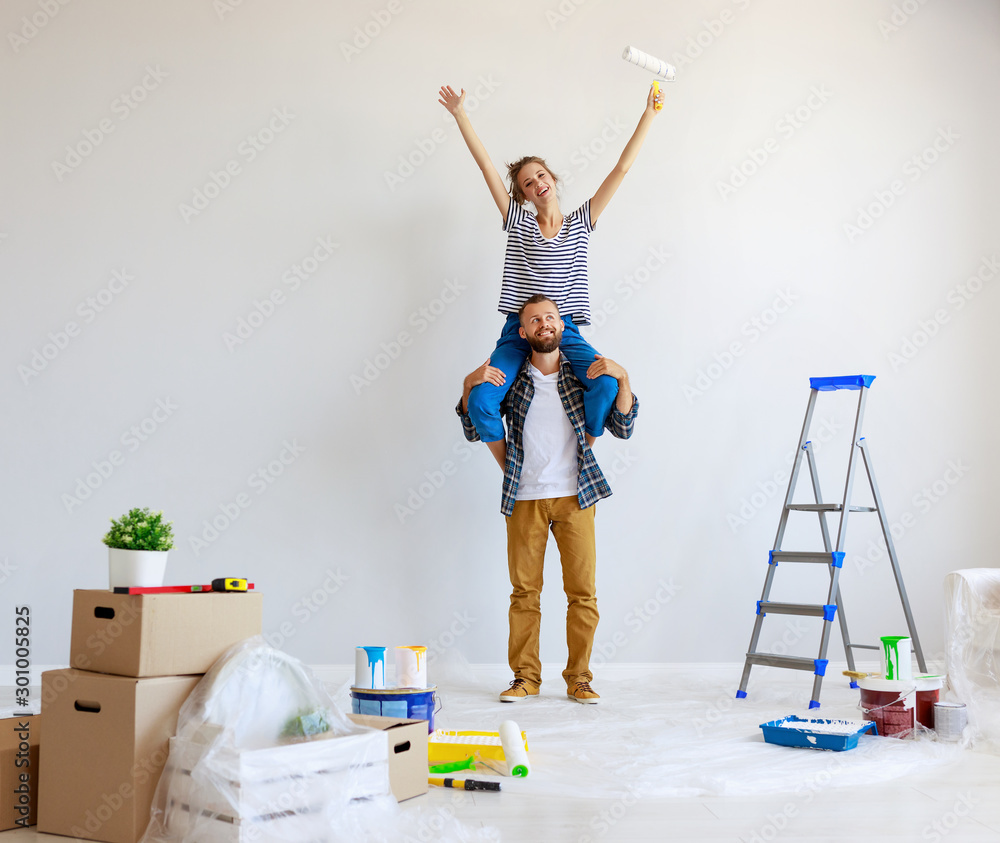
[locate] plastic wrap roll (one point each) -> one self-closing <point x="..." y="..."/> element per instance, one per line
<point x="650" y="63"/>
<point x="513" y="749"/>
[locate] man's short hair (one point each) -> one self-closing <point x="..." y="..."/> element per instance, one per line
<point x="535" y="299"/>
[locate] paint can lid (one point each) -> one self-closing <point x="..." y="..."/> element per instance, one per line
<point x="918" y="683"/>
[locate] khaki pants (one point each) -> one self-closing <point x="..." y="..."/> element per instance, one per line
<point x="527" y="534"/>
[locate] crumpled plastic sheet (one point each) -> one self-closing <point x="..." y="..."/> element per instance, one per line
<point x="676" y="734"/>
<point x="263" y="754"/>
<point x="972" y="639"/>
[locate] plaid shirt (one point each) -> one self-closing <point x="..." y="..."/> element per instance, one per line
<point x="592" y="486"/>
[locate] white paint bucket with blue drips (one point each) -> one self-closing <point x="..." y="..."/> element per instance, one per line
<point x="404" y="703"/>
<point x="369" y="667"/>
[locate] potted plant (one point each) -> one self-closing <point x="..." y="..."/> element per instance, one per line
<point x="137" y="548"/>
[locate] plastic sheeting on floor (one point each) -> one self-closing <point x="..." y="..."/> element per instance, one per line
<point x="972" y="639"/>
<point x="676" y="735"/>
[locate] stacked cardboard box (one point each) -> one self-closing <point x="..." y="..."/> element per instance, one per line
<point x="135" y="659"/>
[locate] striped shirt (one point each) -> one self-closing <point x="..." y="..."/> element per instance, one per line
<point x="591" y="485"/>
<point x="556" y="268"/>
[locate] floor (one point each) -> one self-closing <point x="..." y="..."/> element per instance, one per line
<point x="673" y="756"/>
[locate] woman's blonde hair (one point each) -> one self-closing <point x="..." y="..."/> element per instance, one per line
<point x="514" y="169"/>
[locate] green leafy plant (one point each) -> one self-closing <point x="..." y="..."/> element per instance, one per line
<point x="140" y="529"/>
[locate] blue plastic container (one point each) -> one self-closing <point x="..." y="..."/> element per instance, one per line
<point x="408" y="703"/>
<point x="801" y="735"/>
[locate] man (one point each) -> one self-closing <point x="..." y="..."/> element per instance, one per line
<point x="551" y="480"/>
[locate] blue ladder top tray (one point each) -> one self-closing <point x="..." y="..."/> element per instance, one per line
<point x="837" y="735"/>
<point x="843" y="382"/>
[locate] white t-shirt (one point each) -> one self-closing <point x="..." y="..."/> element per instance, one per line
<point x="550" y="467"/>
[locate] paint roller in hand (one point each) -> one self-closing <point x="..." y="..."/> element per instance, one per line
<point x="660" y="68"/>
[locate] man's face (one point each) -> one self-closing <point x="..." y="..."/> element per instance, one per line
<point x="542" y="327"/>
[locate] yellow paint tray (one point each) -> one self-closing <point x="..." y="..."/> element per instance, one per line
<point x="457" y="746"/>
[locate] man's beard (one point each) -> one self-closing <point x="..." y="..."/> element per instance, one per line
<point x="546" y="345"/>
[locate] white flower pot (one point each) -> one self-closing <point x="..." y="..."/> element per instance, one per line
<point x="136" y="568"/>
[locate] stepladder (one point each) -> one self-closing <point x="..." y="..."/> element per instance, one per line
<point x="833" y="549"/>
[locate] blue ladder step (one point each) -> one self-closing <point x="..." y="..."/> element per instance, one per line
<point x="835" y="558"/>
<point x="817" y="666"/>
<point x="842" y="382"/>
<point x="810" y="610"/>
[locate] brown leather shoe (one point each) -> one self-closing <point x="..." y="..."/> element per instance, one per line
<point x="520" y="689"/>
<point x="583" y="693"/>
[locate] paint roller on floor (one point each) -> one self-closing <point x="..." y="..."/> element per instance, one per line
<point x="660" y="68"/>
<point x="513" y="749"/>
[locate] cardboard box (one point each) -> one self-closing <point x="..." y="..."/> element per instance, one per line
<point x="407" y="752"/>
<point x="19" y="771"/>
<point x="273" y="792"/>
<point x="105" y="746"/>
<point x="159" y="634"/>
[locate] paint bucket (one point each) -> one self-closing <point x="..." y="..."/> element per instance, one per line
<point x="896" y="658"/>
<point x="896" y="707"/>
<point x="411" y="667"/>
<point x="891" y="704"/>
<point x="950" y="720"/>
<point x="408" y="703"/>
<point x="369" y="667"/>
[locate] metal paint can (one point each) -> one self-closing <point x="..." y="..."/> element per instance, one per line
<point x="950" y="720"/>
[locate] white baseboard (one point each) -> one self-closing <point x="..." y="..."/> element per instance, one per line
<point x="337" y="674"/>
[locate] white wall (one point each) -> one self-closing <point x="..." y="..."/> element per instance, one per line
<point x="366" y="158"/>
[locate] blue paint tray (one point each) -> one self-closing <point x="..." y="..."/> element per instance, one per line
<point x="837" y="735"/>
